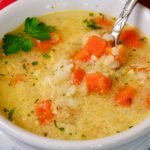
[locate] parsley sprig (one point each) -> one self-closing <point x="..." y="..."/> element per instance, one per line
<point x="37" y="29"/>
<point x="33" y="28"/>
<point x="14" y="43"/>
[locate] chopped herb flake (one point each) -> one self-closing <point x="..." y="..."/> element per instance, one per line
<point x="114" y="18"/>
<point x="9" y="113"/>
<point x="46" y="56"/>
<point x="102" y="15"/>
<point x="143" y="39"/>
<point x="45" y="134"/>
<point x="28" y="115"/>
<point x="61" y="129"/>
<point x="53" y="50"/>
<point x="91" y="24"/>
<point x="36" y="101"/>
<point x="130" y="127"/>
<point x="91" y="14"/>
<point x="6" y="62"/>
<point x="55" y="124"/>
<point x="24" y="67"/>
<point x="83" y="136"/>
<point x="34" y="63"/>
<point x="33" y="84"/>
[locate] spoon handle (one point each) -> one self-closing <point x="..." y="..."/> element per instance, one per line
<point x="121" y="21"/>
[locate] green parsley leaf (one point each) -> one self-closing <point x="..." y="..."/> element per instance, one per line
<point x="55" y="124"/>
<point x="38" y="29"/>
<point x="10" y="114"/>
<point x="6" y="62"/>
<point x="36" y="101"/>
<point x="34" y="63"/>
<point x="27" y="45"/>
<point x="25" y="67"/>
<point x="61" y="129"/>
<point x="143" y="39"/>
<point x="46" y="56"/>
<point x="91" y="14"/>
<point x="11" y="44"/>
<point x="14" y="43"/>
<point x="91" y="24"/>
<point x="45" y="134"/>
<point x="130" y="127"/>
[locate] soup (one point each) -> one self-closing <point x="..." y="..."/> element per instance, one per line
<point x="61" y="77"/>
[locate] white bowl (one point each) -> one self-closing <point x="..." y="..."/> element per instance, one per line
<point x="136" y="138"/>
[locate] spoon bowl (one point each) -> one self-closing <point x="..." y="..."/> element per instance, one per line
<point x="122" y="19"/>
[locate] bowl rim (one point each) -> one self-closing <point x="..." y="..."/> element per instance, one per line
<point x="38" y="141"/>
<point x="32" y="139"/>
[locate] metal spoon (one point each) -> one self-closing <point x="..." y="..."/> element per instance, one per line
<point x="122" y="19"/>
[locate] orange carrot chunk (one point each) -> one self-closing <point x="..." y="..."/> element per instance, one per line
<point x="19" y="77"/>
<point x="125" y="96"/>
<point x="77" y="75"/>
<point x="45" y="46"/>
<point x="102" y="21"/>
<point x="97" y="82"/>
<point x="95" y="46"/>
<point x="82" y="56"/>
<point x="44" y="111"/>
<point x="131" y="38"/>
<point x="148" y="100"/>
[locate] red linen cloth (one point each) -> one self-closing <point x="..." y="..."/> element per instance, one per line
<point x="4" y="3"/>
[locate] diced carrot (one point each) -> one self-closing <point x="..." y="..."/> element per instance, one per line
<point x="82" y="56"/>
<point x="131" y="38"/>
<point x="45" y="46"/>
<point x="44" y="111"/>
<point x="148" y="101"/>
<point x="108" y="51"/>
<point x="102" y="21"/>
<point x="96" y="46"/>
<point x="121" y="57"/>
<point x="125" y="96"/>
<point x="77" y="75"/>
<point x="19" y="77"/>
<point x="97" y="82"/>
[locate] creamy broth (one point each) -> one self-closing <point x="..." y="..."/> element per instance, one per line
<point x="77" y="113"/>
